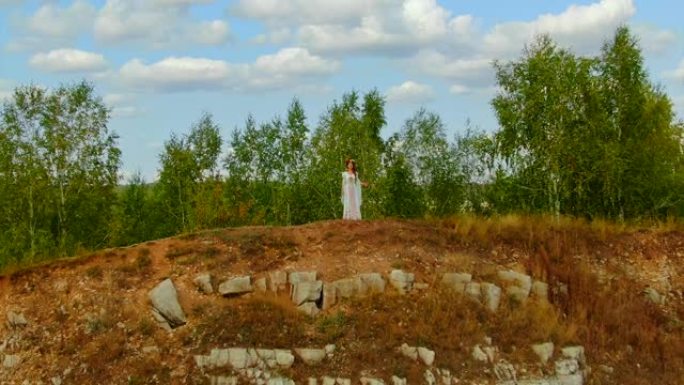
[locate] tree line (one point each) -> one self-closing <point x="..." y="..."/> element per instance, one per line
<point x="581" y="136"/>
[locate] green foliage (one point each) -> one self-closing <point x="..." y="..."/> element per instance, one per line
<point x="58" y="171"/>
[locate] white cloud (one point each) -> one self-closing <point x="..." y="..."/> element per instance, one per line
<point x="473" y="71"/>
<point x="68" y="60"/>
<point x="122" y="105"/>
<point x="286" y="68"/>
<point x="458" y="89"/>
<point x="159" y="24"/>
<point x="52" y="25"/>
<point x="655" y="40"/>
<point x="295" y="12"/>
<point x="583" y="27"/>
<point x="410" y="92"/>
<point x="178" y="73"/>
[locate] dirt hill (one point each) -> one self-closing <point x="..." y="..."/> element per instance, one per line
<point x="616" y="292"/>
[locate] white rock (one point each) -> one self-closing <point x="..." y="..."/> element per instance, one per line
<point x="576" y="352"/>
<point x="328" y="380"/>
<point x="373" y="282"/>
<point x="543" y="351"/>
<point x="268" y="357"/>
<point x="445" y="376"/>
<point x="56" y="380"/>
<point x="409" y="351"/>
<point x="520" y="280"/>
<point x="296" y="277"/>
<point x="239" y="358"/>
<point x="516" y="293"/>
<point x="398" y="380"/>
<point x="164" y="300"/>
<point x="311" y="356"/>
<point x="329" y="296"/>
<point x="429" y="377"/>
<point x="218" y="358"/>
<point x="312" y="381"/>
<point x="277" y="281"/>
<point x="236" y="286"/>
<point x="490" y="352"/>
<point x="567" y="366"/>
<point x="571" y="379"/>
<point x="505" y="371"/>
<point x="426" y="355"/>
<point x="223" y="380"/>
<point x="371" y="381"/>
<point x="16" y="319"/>
<point x="330" y="350"/>
<point x="402" y="281"/>
<point x="309" y="308"/>
<point x="11" y="360"/>
<point x="203" y="283"/>
<point x="349" y="287"/>
<point x="491" y="296"/>
<point x="474" y="290"/>
<point x="306" y="291"/>
<point x="456" y="281"/>
<point x="284" y="358"/>
<point x="260" y="284"/>
<point x="280" y="381"/>
<point x="343" y="381"/>
<point x="478" y="354"/>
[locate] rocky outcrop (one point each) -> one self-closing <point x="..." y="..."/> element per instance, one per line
<point x="165" y="306"/>
<point x="236" y="286"/>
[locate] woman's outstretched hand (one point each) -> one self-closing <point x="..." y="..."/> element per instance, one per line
<point x="364" y="184"/>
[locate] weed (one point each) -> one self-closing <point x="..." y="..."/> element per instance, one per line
<point x="94" y="272"/>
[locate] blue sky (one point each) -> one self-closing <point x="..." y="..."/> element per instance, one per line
<point x="159" y="64"/>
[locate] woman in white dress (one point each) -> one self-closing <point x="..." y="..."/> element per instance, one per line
<point x="351" y="191"/>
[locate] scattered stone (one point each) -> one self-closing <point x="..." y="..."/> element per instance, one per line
<point x="150" y="349"/>
<point x="277" y="281"/>
<point x="409" y="351"/>
<point x="421" y="286"/>
<point x="165" y="303"/>
<point x="260" y="285"/>
<point x="284" y="358"/>
<point x="487" y="340"/>
<point x="402" y="281"/>
<point x="490" y="352"/>
<point x="429" y="377"/>
<point x="11" y="360"/>
<point x="478" y="354"/>
<point x="329" y="296"/>
<point x="567" y="366"/>
<point x="492" y="296"/>
<point x="15" y="320"/>
<point x="280" y="381"/>
<point x="203" y="283"/>
<point x="371" y="381"/>
<point x="520" y="280"/>
<point x="540" y="290"/>
<point x="576" y="352"/>
<point x="223" y="380"/>
<point x="570" y="379"/>
<point x="517" y="294"/>
<point x="474" y="290"/>
<point x="309" y="308"/>
<point x="457" y="281"/>
<point x="373" y="282"/>
<point x="313" y="381"/>
<point x="426" y="355"/>
<point x="296" y="277"/>
<point x="56" y="380"/>
<point x="330" y="350"/>
<point x="236" y="286"/>
<point x="543" y="351"/>
<point x="398" y="380"/>
<point x="349" y="287"/>
<point x="343" y="381"/>
<point x="505" y="371"/>
<point x="328" y="380"/>
<point x="445" y="376"/>
<point x="306" y="291"/>
<point x="311" y="356"/>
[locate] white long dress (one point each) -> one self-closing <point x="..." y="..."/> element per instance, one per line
<point x="351" y="196"/>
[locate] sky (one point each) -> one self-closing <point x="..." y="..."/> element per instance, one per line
<point x="160" y="64"/>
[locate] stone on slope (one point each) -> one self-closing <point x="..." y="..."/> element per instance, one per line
<point x="309" y="308"/>
<point x="426" y="355"/>
<point x="236" y="286"/>
<point x="306" y="291"/>
<point x="277" y="281"/>
<point x="373" y="282"/>
<point x="15" y="320"/>
<point x="409" y="351"/>
<point x="11" y="361"/>
<point x="540" y="290"/>
<point x="301" y="276"/>
<point x="284" y="358"/>
<point x="398" y="380"/>
<point x="543" y="351"/>
<point x="311" y="356"/>
<point x="520" y="280"/>
<point x="402" y="281"/>
<point x="456" y="281"/>
<point x="329" y="296"/>
<point x="491" y="296"/>
<point x="165" y="303"/>
<point x="260" y="285"/>
<point x="203" y="283"/>
<point x="349" y="287"/>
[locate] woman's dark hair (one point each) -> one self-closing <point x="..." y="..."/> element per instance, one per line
<point x="353" y="162"/>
